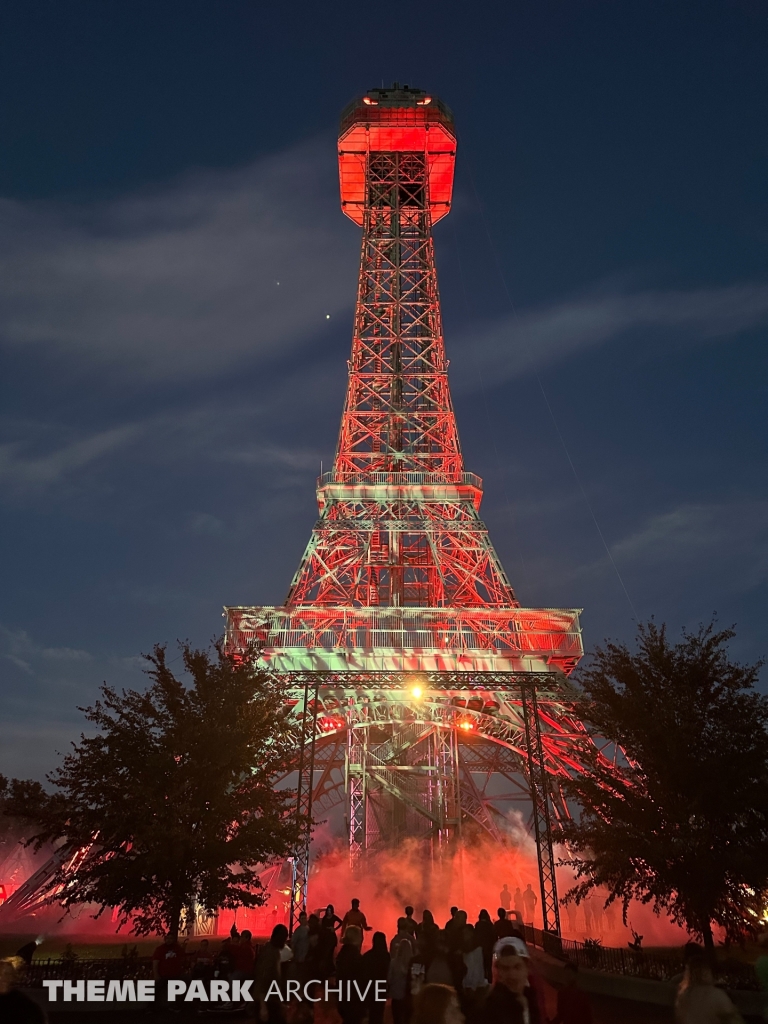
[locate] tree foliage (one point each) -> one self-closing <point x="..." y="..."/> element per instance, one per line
<point x="174" y="793"/>
<point x="684" y="826"/>
<point x="13" y="832"/>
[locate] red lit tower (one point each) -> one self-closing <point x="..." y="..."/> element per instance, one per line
<point x="417" y="681"/>
<point x="426" y="700"/>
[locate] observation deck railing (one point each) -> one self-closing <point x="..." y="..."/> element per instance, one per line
<point x="547" y="635"/>
<point x="404" y="479"/>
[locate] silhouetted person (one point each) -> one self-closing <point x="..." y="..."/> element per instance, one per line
<point x="503" y="927"/>
<point x="167" y="964"/>
<point x="354" y="918"/>
<point x="402" y="936"/>
<point x="203" y="961"/>
<point x="587" y="911"/>
<point x="486" y="936"/>
<point x="314" y="926"/>
<point x="571" y="911"/>
<point x="609" y="913"/>
<point x="300" y="940"/>
<point x="426" y="936"/>
<point x="223" y="962"/>
<point x="505" y="897"/>
<point x="349" y="968"/>
<point x="518" y="901"/>
<point x="326" y="944"/>
<point x="399" y="978"/>
<point x="444" y="966"/>
<point x="330" y="916"/>
<point x="411" y="925"/>
<point x="268" y="970"/>
<point x="440" y="969"/>
<point x="455" y="934"/>
<point x="597" y="913"/>
<point x="244" y="956"/>
<point x="449" y="922"/>
<point x="529" y="904"/>
<point x="474" y="982"/>
<point x="376" y="968"/>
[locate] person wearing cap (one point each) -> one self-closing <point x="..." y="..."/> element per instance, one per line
<point x="512" y="1000"/>
<point x="535" y="980"/>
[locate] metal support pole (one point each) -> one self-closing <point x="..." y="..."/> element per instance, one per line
<point x="539" y="784"/>
<point x="304" y="791"/>
<point x="446" y="780"/>
<point x="356" y="785"/>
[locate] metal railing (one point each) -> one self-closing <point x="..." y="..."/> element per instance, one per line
<point x="405" y="479"/>
<point x="117" y="968"/>
<point x="652" y="966"/>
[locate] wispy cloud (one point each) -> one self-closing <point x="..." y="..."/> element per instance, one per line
<point x="24" y="468"/>
<point x="683" y="532"/>
<point x="272" y="455"/>
<point x="188" y="280"/>
<point x="19" y="647"/>
<point x="727" y="541"/>
<point x="515" y="345"/>
<point x="46" y="456"/>
<point x="42" y="687"/>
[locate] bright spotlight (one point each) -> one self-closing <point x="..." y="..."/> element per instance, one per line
<point x="416" y="692"/>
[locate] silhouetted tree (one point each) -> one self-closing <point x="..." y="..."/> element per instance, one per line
<point x="13" y="834"/>
<point x="174" y="793"/>
<point x="684" y="826"/>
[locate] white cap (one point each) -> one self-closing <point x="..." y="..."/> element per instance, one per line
<point x="514" y="943"/>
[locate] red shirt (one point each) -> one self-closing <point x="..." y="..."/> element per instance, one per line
<point x="356" y="918"/>
<point x="243" y="957"/>
<point x="170" y="958"/>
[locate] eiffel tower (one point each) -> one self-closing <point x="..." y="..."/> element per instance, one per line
<point x="417" y="681"/>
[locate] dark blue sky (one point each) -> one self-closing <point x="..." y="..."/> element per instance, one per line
<point x="165" y="404"/>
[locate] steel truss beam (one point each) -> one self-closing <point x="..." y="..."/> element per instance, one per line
<point x="539" y="787"/>
<point x="435" y="757"/>
<point x="398" y="420"/>
<point x="305" y="788"/>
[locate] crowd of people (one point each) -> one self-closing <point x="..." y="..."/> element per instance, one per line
<point x="459" y="972"/>
<point x="477" y="973"/>
<point x="429" y="973"/>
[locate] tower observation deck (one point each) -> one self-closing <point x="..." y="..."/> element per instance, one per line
<point x="414" y="675"/>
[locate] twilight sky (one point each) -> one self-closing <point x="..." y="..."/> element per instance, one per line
<point x="165" y="403"/>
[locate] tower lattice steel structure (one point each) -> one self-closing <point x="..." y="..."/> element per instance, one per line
<point x="425" y="697"/>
